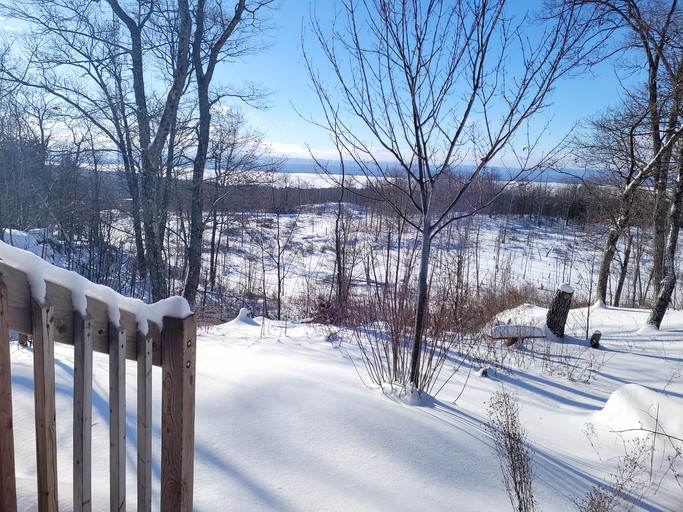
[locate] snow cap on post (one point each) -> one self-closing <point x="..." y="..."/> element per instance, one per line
<point x="566" y="288"/>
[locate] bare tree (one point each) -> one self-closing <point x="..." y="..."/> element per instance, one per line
<point x="238" y="158"/>
<point x="619" y="144"/>
<point x="272" y="231"/>
<point x="95" y="57"/>
<point x="24" y="173"/>
<point x="655" y="29"/>
<point x="343" y="259"/>
<point x="430" y="86"/>
<point x="669" y="280"/>
<point x="219" y="33"/>
<point x="153" y="138"/>
<point x="651" y="45"/>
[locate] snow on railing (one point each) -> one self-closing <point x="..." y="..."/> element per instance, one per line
<point x="56" y="305"/>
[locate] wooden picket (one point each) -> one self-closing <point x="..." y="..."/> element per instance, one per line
<point x="8" y="501"/>
<point x="171" y="346"/>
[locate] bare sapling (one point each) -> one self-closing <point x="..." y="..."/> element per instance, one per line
<point x="384" y="334"/>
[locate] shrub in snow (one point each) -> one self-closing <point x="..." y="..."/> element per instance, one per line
<point x="386" y="346"/>
<point x="512" y="449"/>
<point x="627" y="486"/>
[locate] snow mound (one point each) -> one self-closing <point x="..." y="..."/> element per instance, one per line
<point x="598" y="306"/>
<point x="36" y="241"/>
<point x="648" y="330"/>
<point x="635" y="407"/>
<point x="243" y="319"/>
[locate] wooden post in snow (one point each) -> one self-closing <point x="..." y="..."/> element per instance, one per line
<point x="83" y="364"/>
<point x="144" y="355"/>
<point x="178" y="352"/>
<point x="117" y="417"/>
<point x="559" y="310"/>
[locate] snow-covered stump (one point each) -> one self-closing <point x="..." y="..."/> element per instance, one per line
<point x="58" y="306"/>
<point x="559" y="310"/>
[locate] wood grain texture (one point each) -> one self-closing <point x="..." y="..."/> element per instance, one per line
<point x="178" y="353"/>
<point x="8" y="485"/>
<point x="144" y="397"/>
<point x="82" y="462"/>
<point x="46" y="428"/>
<point x="117" y="418"/>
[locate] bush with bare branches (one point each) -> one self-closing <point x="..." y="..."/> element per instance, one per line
<point x="512" y="449"/>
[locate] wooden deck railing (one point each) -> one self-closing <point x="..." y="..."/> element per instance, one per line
<point x="171" y="346"/>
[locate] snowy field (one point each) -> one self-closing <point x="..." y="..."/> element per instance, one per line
<point x="285" y="424"/>
<point x="287" y="419"/>
<point x="494" y="251"/>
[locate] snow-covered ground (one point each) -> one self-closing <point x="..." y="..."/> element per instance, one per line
<point x="284" y="423"/>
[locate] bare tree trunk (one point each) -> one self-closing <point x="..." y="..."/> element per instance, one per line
<point x="215" y="245"/>
<point x="155" y="259"/>
<point x="624" y="270"/>
<point x="607" y="257"/>
<point x="636" y="269"/>
<point x="194" y="253"/>
<point x="669" y="279"/>
<point x="340" y="255"/>
<point x="134" y="191"/>
<point x="278" y="266"/>
<point x="422" y="304"/>
<point x="556" y="318"/>
<point x="615" y="232"/>
<point x="659" y="234"/>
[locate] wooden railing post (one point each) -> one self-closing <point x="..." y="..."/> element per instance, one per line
<point x="8" y="485"/>
<point x="46" y="428"/>
<point x="83" y="361"/>
<point x="51" y="319"/>
<point x="117" y="418"/>
<point x="178" y="351"/>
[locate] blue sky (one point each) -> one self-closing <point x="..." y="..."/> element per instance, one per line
<point x="281" y="70"/>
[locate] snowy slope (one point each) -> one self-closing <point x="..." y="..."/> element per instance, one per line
<point x="284" y="422"/>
